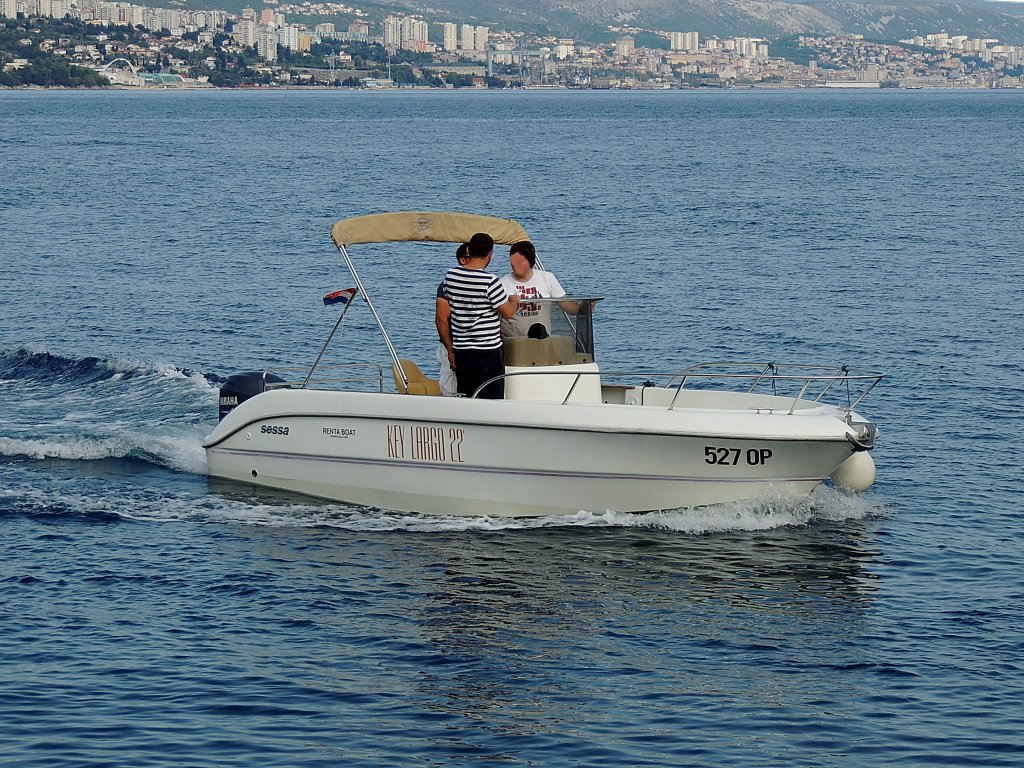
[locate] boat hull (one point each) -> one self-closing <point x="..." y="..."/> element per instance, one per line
<point x="447" y="456"/>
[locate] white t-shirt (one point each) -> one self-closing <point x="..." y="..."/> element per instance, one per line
<point x="542" y="284"/>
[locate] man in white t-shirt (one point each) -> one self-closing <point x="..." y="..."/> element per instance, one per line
<point x="528" y="282"/>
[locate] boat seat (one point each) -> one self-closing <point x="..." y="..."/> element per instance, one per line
<point x="521" y="351"/>
<point x="419" y="384"/>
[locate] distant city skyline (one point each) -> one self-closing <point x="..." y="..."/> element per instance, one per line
<point x="196" y="43"/>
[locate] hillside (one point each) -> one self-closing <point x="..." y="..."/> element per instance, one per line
<point x="767" y="18"/>
<point x="590" y="19"/>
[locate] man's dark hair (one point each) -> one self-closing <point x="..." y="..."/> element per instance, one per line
<point x="480" y="244"/>
<point x="525" y="247"/>
<point x="460" y="252"/>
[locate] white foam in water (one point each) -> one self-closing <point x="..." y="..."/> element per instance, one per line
<point x="122" y="366"/>
<point x="767" y="513"/>
<point x="75" y="449"/>
<point x="182" y="451"/>
<point x="140" y="410"/>
<point x="197" y="505"/>
<point x="172" y="372"/>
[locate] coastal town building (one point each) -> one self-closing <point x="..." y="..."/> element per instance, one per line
<point x="392" y="31"/>
<point x="450" y="34"/>
<point x="245" y="32"/>
<point x="266" y="42"/>
<point x="359" y="31"/>
<point x="480" y="38"/>
<point x="407" y="33"/>
<point x="414" y="34"/>
<point x="684" y="41"/>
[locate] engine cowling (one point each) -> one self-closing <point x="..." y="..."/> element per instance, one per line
<point x="241" y="386"/>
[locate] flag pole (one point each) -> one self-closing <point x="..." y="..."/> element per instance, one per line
<point x="309" y="375"/>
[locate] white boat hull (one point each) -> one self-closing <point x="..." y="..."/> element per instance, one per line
<point x="448" y="456"/>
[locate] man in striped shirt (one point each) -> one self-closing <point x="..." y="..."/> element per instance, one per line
<point x="477" y="300"/>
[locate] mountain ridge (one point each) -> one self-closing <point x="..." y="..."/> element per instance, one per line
<point x="728" y="18"/>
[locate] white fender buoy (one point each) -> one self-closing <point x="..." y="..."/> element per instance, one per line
<point x="855" y="474"/>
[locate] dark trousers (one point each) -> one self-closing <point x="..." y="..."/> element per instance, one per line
<point x="475" y="366"/>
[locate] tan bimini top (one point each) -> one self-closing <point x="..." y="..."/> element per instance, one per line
<point x="436" y="226"/>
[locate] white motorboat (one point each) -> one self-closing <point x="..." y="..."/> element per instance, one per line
<point x="568" y="436"/>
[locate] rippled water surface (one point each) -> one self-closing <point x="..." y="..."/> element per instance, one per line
<point x="154" y="243"/>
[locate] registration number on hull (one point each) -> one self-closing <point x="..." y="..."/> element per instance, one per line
<point x="732" y="456"/>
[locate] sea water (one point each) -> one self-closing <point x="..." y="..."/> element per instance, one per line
<point x="154" y="243"/>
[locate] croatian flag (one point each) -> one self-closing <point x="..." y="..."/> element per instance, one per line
<point x="340" y="297"/>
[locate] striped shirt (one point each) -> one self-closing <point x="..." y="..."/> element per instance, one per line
<point x="474" y="297"/>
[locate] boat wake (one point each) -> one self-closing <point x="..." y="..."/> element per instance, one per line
<point x="181" y="452"/>
<point x="41" y="366"/>
<point x="766" y="513"/>
<point x="87" y="409"/>
<point x="216" y="506"/>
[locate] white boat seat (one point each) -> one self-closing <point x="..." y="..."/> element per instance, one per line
<point x="419" y="384"/>
<point x="522" y="351"/>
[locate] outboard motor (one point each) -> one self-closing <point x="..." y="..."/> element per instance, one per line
<point x="241" y="386"/>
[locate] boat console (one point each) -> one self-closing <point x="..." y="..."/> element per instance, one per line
<point x="558" y="344"/>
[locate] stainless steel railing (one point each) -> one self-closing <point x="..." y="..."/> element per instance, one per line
<point x="858" y="383"/>
<point x="328" y="376"/>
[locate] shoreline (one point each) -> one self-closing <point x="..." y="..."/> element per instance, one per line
<point x="431" y="89"/>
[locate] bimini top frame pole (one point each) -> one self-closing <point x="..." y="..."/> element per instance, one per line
<point x="373" y="310"/>
<point x="413" y="226"/>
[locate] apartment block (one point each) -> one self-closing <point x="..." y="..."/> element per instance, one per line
<point x="451" y="36"/>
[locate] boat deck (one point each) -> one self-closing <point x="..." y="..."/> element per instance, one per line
<point x="721" y="385"/>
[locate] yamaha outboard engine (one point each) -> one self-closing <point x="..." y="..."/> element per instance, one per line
<point x="241" y="386"/>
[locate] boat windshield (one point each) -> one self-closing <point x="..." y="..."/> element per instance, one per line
<point x="567" y="323"/>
